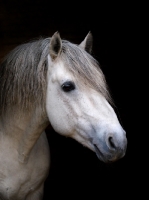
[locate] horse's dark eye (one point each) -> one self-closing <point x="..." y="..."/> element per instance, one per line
<point x="68" y="86"/>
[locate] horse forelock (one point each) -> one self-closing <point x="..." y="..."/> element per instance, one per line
<point x="85" y="68"/>
<point x="23" y="73"/>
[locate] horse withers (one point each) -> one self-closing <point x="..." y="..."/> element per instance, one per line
<point x="52" y="81"/>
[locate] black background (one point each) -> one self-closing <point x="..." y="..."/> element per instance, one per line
<point x="75" y="171"/>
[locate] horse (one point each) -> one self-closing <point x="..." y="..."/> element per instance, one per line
<point x="52" y="81"/>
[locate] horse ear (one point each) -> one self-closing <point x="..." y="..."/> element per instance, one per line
<point x="55" y="45"/>
<point x="87" y="43"/>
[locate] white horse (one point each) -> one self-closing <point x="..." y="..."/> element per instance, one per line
<point x="51" y="81"/>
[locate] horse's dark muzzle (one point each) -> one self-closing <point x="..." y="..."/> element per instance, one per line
<point x="112" y="149"/>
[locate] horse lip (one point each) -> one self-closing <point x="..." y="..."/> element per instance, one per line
<point x="101" y="156"/>
<point x="99" y="153"/>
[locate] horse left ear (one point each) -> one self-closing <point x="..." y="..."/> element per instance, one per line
<point x="55" y="45"/>
<point x="87" y="43"/>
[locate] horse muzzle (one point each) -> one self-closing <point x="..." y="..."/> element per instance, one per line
<point x="112" y="148"/>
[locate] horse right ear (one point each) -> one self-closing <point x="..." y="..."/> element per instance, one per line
<point x="55" y="45"/>
<point x="87" y="43"/>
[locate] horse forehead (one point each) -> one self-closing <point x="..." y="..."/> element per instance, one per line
<point x="59" y="72"/>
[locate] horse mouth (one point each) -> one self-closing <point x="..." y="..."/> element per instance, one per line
<point x="99" y="153"/>
<point x="101" y="156"/>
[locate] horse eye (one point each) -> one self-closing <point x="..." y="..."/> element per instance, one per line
<point x="68" y="86"/>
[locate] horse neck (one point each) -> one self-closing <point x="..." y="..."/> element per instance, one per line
<point x="24" y="129"/>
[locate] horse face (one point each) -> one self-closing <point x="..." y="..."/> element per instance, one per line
<point x="83" y="114"/>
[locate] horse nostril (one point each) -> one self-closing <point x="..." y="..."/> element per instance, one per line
<point x="111" y="143"/>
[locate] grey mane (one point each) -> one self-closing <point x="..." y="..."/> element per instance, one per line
<point x="23" y="73"/>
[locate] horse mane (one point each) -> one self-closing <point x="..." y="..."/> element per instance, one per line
<point x="23" y="73"/>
